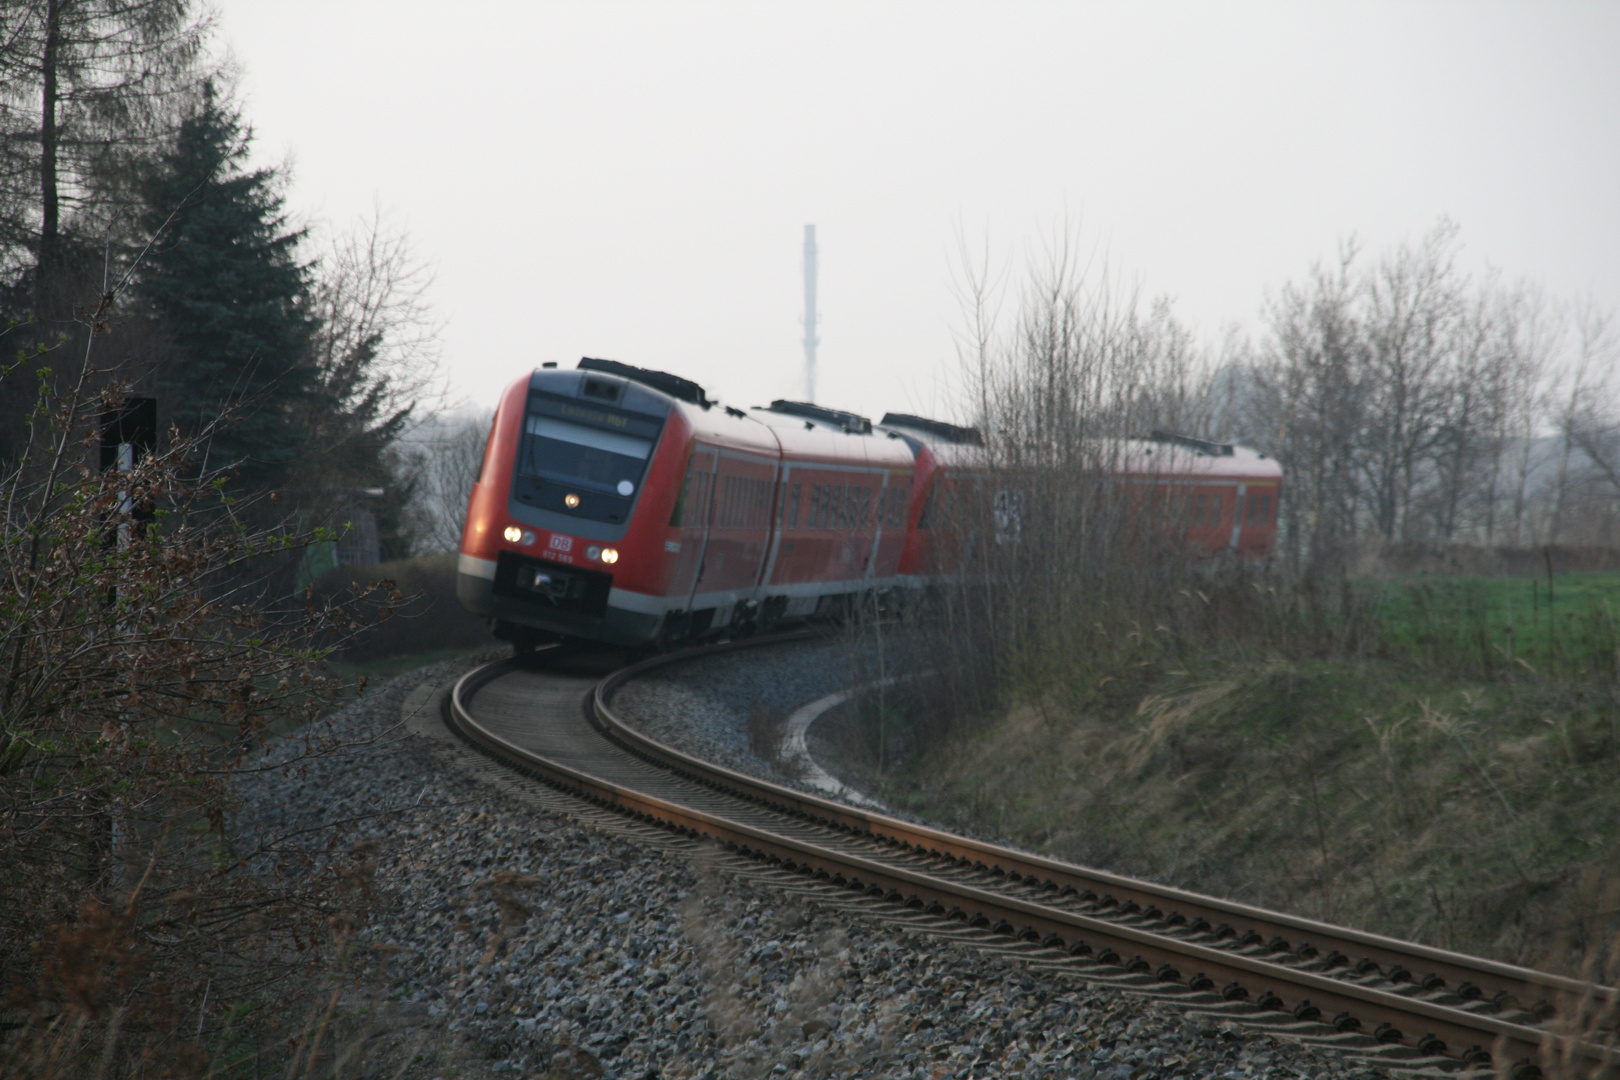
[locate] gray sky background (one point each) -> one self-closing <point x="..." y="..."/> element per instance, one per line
<point x="632" y="180"/>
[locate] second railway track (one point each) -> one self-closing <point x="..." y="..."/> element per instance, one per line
<point x="1330" y="983"/>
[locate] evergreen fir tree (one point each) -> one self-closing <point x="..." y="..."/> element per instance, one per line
<point x="224" y="279"/>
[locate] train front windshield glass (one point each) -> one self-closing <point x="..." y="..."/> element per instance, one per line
<point x="608" y="461"/>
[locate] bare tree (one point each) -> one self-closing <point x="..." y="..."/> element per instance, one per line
<point x="443" y="457"/>
<point x="1312" y="386"/>
<point x="1590" y="422"/>
<point x="1413" y="308"/>
<point x="378" y="347"/>
<point x="84" y="85"/>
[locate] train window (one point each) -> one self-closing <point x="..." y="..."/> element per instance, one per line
<point x="677" y="516"/>
<point x="1214" y="518"/>
<point x="793" y="508"/>
<point x="1200" y="510"/>
<point x="1259" y="510"/>
<point x="569" y="451"/>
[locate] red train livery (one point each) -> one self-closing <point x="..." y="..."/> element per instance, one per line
<point x="623" y="505"/>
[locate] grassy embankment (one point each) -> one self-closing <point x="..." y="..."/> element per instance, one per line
<point x="1459" y="785"/>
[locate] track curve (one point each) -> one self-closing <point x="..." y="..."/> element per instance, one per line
<point x="1446" y="1007"/>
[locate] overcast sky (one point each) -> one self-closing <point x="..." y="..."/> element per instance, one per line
<point x="633" y="180"/>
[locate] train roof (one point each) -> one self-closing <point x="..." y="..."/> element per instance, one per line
<point x="1183" y="454"/>
<point x="797" y="429"/>
<point x="815" y="432"/>
<point x="932" y="431"/>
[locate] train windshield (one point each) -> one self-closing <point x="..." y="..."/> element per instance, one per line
<point x="583" y="460"/>
<point x="605" y="460"/>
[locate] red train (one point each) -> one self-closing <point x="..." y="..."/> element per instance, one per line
<point x="623" y="505"/>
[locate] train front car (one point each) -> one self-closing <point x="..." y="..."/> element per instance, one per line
<point x="565" y="525"/>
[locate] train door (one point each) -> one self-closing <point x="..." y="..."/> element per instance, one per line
<point x="739" y="529"/>
<point x="694" y="511"/>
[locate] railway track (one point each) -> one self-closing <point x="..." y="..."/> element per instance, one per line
<point x="1408" y="1005"/>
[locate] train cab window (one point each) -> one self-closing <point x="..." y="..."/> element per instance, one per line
<point x="583" y="461"/>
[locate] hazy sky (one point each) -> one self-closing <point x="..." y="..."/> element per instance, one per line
<point x="633" y="180"/>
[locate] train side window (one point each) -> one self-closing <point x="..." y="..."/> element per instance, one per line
<point x="1200" y="512"/>
<point x="677" y="516"/>
<point x="1214" y="511"/>
<point x="793" y="508"/>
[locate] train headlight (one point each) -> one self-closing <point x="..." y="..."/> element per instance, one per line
<point x="513" y="534"/>
<point x="571" y="500"/>
<point x="610" y="555"/>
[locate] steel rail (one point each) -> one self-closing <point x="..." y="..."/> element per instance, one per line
<point x="1461" y="1029"/>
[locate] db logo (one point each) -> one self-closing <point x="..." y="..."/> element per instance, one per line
<point x="561" y="543"/>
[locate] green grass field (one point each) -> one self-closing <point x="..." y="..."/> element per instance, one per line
<point x="1564" y="625"/>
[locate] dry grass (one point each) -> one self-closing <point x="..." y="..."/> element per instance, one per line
<point x="1478" y="818"/>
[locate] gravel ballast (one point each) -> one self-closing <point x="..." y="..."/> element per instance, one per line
<point x="514" y="937"/>
<point x="728" y="708"/>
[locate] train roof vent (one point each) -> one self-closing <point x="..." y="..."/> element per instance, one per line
<point x="1203" y="446"/>
<point x="673" y="385"/>
<point x="938" y="428"/>
<point x="848" y="421"/>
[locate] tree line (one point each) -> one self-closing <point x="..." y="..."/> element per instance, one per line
<point x="1408" y="401"/>
<point x="151" y="640"/>
<point x="123" y="158"/>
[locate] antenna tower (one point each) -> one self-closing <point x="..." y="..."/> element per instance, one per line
<point x="810" y="316"/>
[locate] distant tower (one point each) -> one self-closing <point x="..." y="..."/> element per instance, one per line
<point x="810" y="317"/>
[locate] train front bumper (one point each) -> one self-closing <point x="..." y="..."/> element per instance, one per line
<point x="556" y="599"/>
